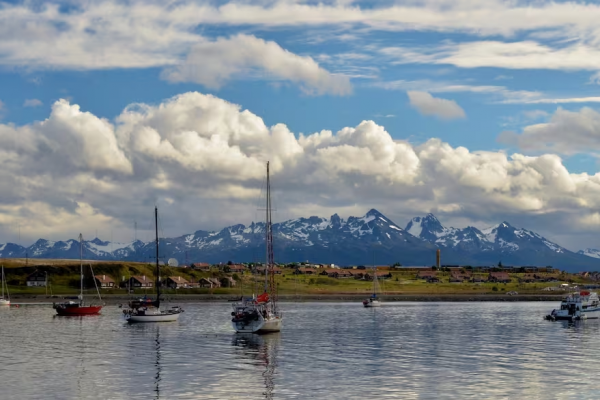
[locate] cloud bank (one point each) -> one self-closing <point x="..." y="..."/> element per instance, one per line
<point x="202" y="160"/>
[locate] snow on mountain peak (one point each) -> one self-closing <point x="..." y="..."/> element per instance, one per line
<point x="594" y="253"/>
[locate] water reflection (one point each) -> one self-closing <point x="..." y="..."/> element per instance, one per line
<point x="261" y="350"/>
<point x="157" y="364"/>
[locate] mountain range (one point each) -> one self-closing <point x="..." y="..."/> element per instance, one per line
<point x="371" y="239"/>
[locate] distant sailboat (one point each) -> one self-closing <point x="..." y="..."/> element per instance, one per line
<point x="373" y="301"/>
<point x="146" y="310"/>
<point x="4" y="301"/>
<point x="261" y="314"/>
<point x="74" y="309"/>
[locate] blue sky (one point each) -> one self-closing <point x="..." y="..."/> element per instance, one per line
<point x="502" y="78"/>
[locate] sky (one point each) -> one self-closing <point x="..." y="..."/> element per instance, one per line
<point x="479" y="112"/>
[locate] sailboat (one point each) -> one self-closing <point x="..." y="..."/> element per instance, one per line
<point x="261" y="314"/>
<point x="146" y="310"/>
<point x="373" y="301"/>
<point x="4" y="301"/>
<point x="71" y="308"/>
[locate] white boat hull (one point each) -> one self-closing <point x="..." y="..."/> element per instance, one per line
<point x="259" y="326"/>
<point x="158" y="317"/>
<point x="374" y="303"/>
<point x="4" y="302"/>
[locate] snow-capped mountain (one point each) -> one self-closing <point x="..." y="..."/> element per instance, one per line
<point x="370" y="239"/>
<point x="501" y="243"/>
<point x="590" y="253"/>
<point x="503" y="237"/>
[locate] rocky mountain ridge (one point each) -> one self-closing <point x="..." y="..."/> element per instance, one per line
<point x="370" y="239"/>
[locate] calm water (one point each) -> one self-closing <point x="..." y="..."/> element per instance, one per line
<point x="326" y="351"/>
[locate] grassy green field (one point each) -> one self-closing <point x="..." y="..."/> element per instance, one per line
<point x="63" y="277"/>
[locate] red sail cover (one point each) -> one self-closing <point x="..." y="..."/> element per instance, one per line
<point x="263" y="298"/>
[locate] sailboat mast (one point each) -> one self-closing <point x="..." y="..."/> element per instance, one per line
<point x="157" y="266"/>
<point x="2" y="282"/>
<point x="267" y="229"/>
<point x="80" y="268"/>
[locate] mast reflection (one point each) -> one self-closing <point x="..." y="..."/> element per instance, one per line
<point x="157" y="377"/>
<point x="263" y="350"/>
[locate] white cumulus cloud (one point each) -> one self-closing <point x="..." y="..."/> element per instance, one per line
<point x="212" y="63"/>
<point x="567" y="132"/>
<point x="202" y="159"/>
<point x="426" y="104"/>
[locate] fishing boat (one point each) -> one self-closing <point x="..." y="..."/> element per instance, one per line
<point x="261" y="314"/>
<point x="577" y="306"/>
<point x="373" y="301"/>
<point x="78" y="308"/>
<point x="4" y="301"/>
<point x="147" y="310"/>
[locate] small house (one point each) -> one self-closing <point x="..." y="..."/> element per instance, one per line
<point x="236" y="268"/>
<point x="330" y="272"/>
<point x="176" y="282"/>
<point x="498" y="277"/>
<point x="305" y="271"/>
<point x="276" y="270"/>
<point x="426" y="274"/>
<point x="204" y="267"/>
<point x="380" y="275"/>
<point x="357" y="273"/>
<point x="211" y="283"/>
<point x="478" y="279"/>
<point x="227" y="281"/>
<point x="104" y="281"/>
<point x="37" y="278"/>
<point x="142" y="282"/>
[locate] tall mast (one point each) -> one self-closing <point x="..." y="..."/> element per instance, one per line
<point x="80" y="268"/>
<point x="157" y="266"/>
<point x="270" y="272"/>
<point x="267" y="228"/>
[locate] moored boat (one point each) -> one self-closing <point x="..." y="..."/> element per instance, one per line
<point x="75" y="309"/>
<point x="577" y="306"/>
<point x="4" y="301"/>
<point x="373" y="301"/>
<point x="261" y="314"/>
<point x="147" y="310"/>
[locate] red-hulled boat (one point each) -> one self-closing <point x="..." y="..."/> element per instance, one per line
<point x="74" y="309"/>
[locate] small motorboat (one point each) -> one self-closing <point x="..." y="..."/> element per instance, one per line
<point x="577" y="306"/>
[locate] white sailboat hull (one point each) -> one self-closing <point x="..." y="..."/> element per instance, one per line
<point x="157" y="317"/>
<point x="374" y="303"/>
<point x="4" y="302"/>
<point x="259" y="326"/>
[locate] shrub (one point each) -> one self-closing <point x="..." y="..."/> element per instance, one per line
<point x="495" y="289"/>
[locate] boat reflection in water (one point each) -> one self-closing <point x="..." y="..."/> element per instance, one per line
<point x="262" y="350"/>
<point x="157" y="364"/>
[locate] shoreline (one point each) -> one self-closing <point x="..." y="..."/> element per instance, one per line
<point x="112" y="299"/>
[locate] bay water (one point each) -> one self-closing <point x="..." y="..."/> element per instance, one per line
<point x="325" y="351"/>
